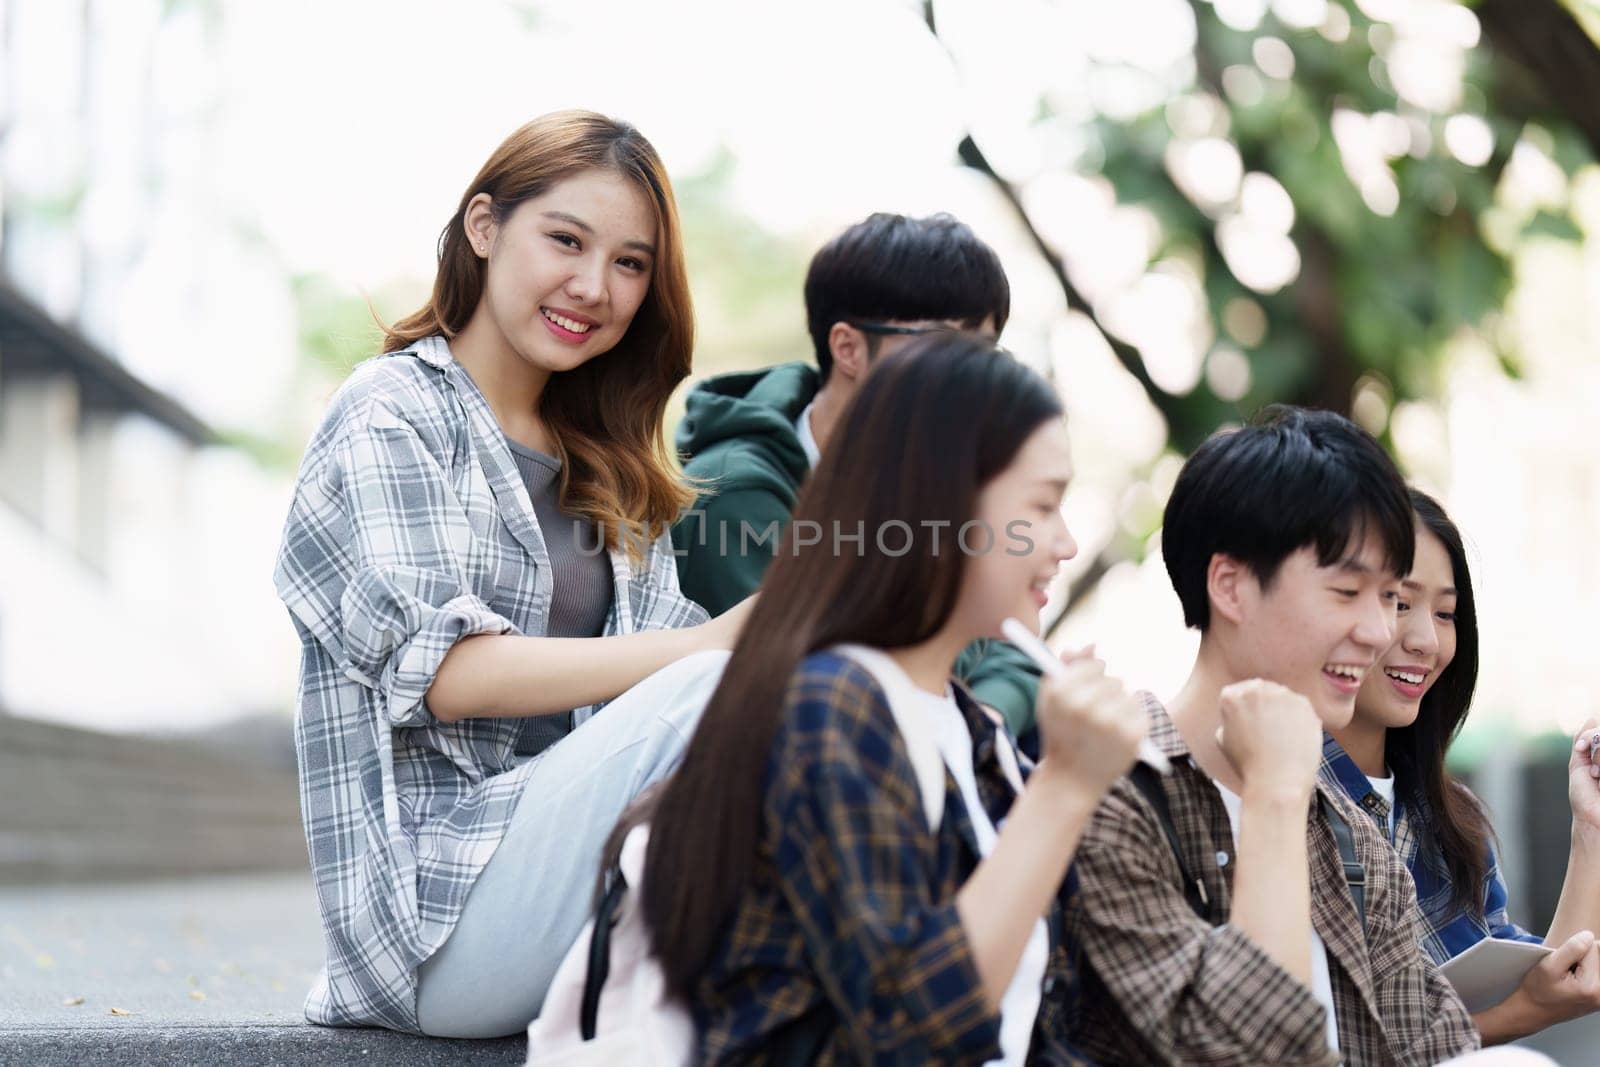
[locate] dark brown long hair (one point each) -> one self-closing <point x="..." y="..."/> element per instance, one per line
<point x="1458" y="827"/>
<point x="606" y="415"/>
<point x="932" y="424"/>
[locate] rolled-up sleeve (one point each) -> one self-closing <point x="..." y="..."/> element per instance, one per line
<point x="374" y="562"/>
<point x="896" y="962"/>
<point x="1194" y="993"/>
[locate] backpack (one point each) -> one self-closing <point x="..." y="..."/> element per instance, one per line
<point x="608" y="1004"/>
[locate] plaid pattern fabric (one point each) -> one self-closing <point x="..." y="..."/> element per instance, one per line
<point x="410" y="529"/>
<point x="1448" y="929"/>
<point x="852" y="902"/>
<point x="1163" y="986"/>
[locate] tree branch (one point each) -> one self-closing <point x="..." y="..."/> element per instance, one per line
<point x="1552" y="47"/>
<point x="1107" y="558"/>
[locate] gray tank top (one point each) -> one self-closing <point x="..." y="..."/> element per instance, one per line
<point x="580" y="571"/>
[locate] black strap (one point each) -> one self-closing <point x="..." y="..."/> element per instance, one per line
<point x="795" y="1044"/>
<point x="600" y="955"/>
<point x="1355" y="875"/>
<point x="1148" y="781"/>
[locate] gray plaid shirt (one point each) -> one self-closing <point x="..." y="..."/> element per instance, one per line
<point x="409" y="530"/>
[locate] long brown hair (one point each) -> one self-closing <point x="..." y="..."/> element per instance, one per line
<point x="1460" y="829"/>
<point x="931" y="426"/>
<point x="606" y="415"/>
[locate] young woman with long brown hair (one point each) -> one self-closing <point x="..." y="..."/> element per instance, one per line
<point x="794" y="879"/>
<point x="476" y="562"/>
<point x="1391" y="760"/>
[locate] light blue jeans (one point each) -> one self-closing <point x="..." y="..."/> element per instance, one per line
<point x="530" y="902"/>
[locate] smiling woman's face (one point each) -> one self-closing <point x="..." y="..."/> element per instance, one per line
<point x="568" y="269"/>
<point x="1018" y="539"/>
<point x="1424" y="643"/>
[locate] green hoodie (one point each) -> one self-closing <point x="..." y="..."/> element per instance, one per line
<point x="737" y="437"/>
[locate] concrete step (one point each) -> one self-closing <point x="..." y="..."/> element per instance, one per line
<point x="78" y="805"/>
<point x="194" y="971"/>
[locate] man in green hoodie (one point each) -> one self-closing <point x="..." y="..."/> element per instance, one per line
<point x="754" y="436"/>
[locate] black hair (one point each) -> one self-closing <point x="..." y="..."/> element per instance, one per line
<point x="1460" y="829"/>
<point x="891" y="268"/>
<point x="1293" y="477"/>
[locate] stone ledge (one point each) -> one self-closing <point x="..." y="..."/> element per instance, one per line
<point x="279" y="1046"/>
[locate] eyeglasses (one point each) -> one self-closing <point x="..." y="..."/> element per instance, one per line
<point x="886" y="329"/>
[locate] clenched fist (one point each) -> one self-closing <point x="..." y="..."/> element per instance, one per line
<point x="1272" y="736"/>
<point x="1090" y="726"/>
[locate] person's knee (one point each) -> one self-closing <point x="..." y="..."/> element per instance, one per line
<point x="672" y="700"/>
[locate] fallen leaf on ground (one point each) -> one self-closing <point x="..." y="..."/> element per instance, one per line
<point x="120" y="1011"/>
<point x="72" y="1002"/>
<point x="195" y="994"/>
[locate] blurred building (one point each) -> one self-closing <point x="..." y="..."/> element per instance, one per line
<point x="140" y="314"/>
<point x="73" y="423"/>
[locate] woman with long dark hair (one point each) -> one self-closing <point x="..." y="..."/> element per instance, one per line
<point x="797" y="874"/>
<point x="1391" y="760"/>
<point x="477" y="565"/>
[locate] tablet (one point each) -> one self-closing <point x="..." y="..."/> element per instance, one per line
<point x="1491" y="970"/>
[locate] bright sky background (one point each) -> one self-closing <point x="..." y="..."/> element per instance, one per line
<point x="336" y="138"/>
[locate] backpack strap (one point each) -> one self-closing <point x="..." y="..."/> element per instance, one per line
<point x="1355" y="875"/>
<point x="600" y="954"/>
<point x="1148" y="781"/>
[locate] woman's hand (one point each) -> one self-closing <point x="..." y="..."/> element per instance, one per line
<point x="1562" y="986"/>
<point x="1583" y="782"/>
<point x="724" y="630"/>
<point x="1090" y="725"/>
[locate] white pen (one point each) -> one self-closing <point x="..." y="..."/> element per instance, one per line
<point x="1040" y="653"/>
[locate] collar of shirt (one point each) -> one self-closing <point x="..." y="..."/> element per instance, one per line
<point x="505" y="482"/>
<point x="808" y="440"/>
<point x="1339" y="769"/>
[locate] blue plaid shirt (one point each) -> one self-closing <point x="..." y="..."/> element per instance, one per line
<point x="1447" y="929"/>
<point x="851" y="905"/>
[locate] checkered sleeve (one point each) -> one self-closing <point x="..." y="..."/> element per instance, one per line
<point x="854" y="859"/>
<point x="373" y="560"/>
<point x="1495" y="904"/>
<point x="1192" y="992"/>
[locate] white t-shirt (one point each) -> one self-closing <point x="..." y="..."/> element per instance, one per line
<point x="1019" y="1008"/>
<point x="1384" y="787"/>
<point x="808" y="440"/>
<point x="1321" y="979"/>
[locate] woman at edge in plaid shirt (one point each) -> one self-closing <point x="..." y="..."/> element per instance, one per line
<point x="458" y="641"/>
<point x="1390" y="760"/>
<point x="792" y="877"/>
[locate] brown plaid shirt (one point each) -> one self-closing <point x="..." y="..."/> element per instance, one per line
<point x="1162" y="985"/>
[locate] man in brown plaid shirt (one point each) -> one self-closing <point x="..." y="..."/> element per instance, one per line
<point x="1285" y="541"/>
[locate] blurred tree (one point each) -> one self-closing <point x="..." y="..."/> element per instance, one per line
<point x="1325" y="179"/>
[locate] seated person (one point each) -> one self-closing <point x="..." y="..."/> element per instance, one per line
<point x="804" y="873"/>
<point x="1223" y="930"/>
<point x="1390" y="760"/>
<point x="752" y="437"/>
